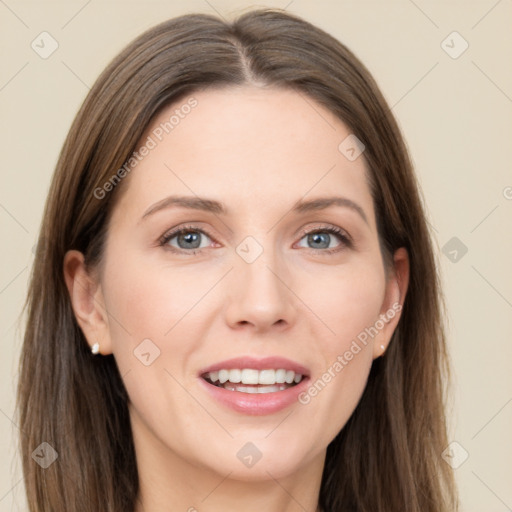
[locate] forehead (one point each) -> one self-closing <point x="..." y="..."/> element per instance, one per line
<point x="247" y="146"/>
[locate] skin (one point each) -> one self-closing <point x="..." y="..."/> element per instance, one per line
<point x="258" y="151"/>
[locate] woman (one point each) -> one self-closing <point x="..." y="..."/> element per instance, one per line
<point x="234" y="304"/>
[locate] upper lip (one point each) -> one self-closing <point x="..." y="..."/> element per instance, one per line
<point x="274" y="362"/>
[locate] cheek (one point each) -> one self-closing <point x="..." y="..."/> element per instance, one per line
<point x="148" y="334"/>
<point x="349" y="306"/>
<point x="155" y="302"/>
<point x="148" y="299"/>
<point x="347" y="300"/>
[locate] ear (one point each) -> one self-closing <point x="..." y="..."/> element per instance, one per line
<point x="396" y="290"/>
<point x="87" y="301"/>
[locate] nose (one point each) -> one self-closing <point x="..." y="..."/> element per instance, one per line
<point x="260" y="295"/>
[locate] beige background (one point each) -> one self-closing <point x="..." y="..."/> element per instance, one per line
<point x="456" y="117"/>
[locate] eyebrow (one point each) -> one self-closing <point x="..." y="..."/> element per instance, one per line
<point x="213" y="206"/>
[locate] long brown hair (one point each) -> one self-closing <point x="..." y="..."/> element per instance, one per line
<point x="388" y="456"/>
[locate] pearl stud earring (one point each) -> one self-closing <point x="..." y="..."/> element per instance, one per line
<point x="95" y="348"/>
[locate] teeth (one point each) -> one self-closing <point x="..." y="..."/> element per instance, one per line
<point x="280" y="376"/>
<point x="267" y="377"/>
<point x="235" y="376"/>
<point x="250" y="376"/>
<point x="254" y="389"/>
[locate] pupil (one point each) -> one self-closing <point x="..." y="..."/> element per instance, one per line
<point x="316" y="237"/>
<point x="188" y="237"/>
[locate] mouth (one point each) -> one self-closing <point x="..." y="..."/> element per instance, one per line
<point x="253" y="386"/>
<point x="252" y="380"/>
<point x="249" y="385"/>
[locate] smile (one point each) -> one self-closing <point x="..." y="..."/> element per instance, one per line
<point x="249" y="380"/>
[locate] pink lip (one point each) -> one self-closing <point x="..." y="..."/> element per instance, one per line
<point x="256" y="404"/>
<point x="257" y="364"/>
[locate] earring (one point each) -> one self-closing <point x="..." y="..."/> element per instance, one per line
<point x="382" y="347"/>
<point x="95" y="348"/>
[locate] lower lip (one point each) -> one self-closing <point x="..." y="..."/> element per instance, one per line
<point x="256" y="404"/>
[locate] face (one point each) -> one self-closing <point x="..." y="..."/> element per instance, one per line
<point x="245" y="272"/>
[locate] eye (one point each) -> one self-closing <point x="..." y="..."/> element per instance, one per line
<point x="187" y="238"/>
<point x="321" y="239"/>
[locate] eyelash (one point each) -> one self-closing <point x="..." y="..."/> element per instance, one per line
<point x="345" y="239"/>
